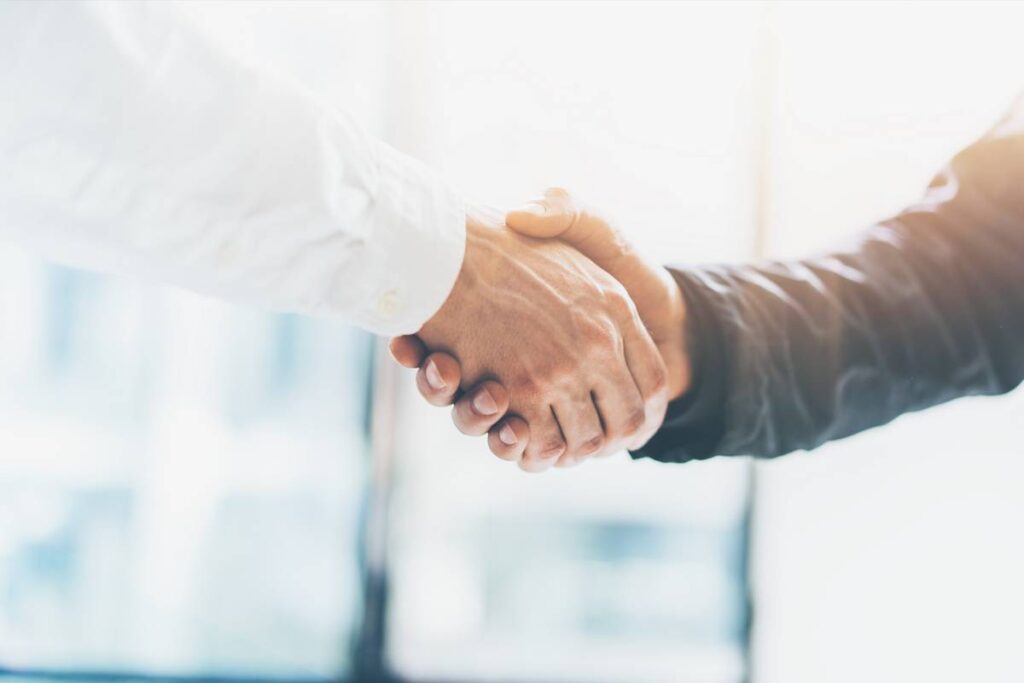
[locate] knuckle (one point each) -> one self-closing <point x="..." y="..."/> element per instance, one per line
<point x="535" y="464"/>
<point x="545" y="384"/>
<point x="591" y="445"/>
<point x="550" y="447"/>
<point x="597" y="335"/>
<point x="634" y="420"/>
<point x="503" y="452"/>
<point x="576" y="220"/>
<point x="559" y="193"/>
<point x="658" y="381"/>
<point x="563" y="374"/>
<point x="619" y="303"/>
<point x="567" y="461"/>
<point x="530" y="388"/>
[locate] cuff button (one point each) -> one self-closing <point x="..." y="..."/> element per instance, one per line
<point x="389" y="304"/>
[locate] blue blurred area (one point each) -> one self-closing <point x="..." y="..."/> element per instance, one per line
<point x="182" y="489"/>
<point x="608" y="579"/>
<point x="181" y="480"/>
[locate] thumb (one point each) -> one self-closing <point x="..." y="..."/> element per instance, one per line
<point x="657" y="297"/>
<point x="549" y="216"/>
<point x="407" y="350"/>
<point x="558" y="215"/>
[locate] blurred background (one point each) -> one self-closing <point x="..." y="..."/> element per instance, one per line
<point x="193" y="490"/>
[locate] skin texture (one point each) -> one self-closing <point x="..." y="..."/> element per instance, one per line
<point x="485" y="407"/>
<point x="545" y="334"/>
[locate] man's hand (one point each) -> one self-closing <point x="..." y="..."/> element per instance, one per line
<point x="562" y="337"/>
<point x="654" y="292"/>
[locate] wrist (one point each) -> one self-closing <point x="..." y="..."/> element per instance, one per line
<point x="675" y="349"/>
<point x="482" y="250"/>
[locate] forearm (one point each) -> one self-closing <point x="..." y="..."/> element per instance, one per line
<point x="927" y="307"/>
<point x="130" y="141"/>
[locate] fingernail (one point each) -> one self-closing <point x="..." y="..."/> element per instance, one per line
<point x="484" y="404"/>
<point x="434" y="378"/>
<point x="536" y="208"/>
<point x="507" y="436"/>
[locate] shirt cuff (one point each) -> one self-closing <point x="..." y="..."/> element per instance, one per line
<point x="695" y="422"/>
<point x="422" y="223"/>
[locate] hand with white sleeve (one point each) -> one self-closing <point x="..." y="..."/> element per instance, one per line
<point x="554" y="339"/>
<point x="658" y="301"/>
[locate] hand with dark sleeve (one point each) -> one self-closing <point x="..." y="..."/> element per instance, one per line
<point x="782" y="356"/>
<point x="926" y="307"/>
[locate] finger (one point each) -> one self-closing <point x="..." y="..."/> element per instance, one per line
<point x="480" y="408"/>
<point x="508" y="438"/>
<point x="653" y="289"/>
<point x="535" y="466"/>
<point x="546" y="217"/>
<point x="546" y="442"/>
<point x="581" y="427"/>
<point x="566" y="461"/>
<point x="407" y="350"/>
<point x="620" y="406"/>
<point x="438" y="379"/>
<point x="557" y="214"/>
<point x="650" y="376"/>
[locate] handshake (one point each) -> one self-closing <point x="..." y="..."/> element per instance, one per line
<point x="558" y="340"/>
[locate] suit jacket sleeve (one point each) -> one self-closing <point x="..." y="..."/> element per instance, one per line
<point x="923" y="308"/>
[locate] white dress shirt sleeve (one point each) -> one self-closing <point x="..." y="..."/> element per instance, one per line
<point x="131" y="143"/>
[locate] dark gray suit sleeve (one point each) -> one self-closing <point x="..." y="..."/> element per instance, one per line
<point x="924" y="308"/>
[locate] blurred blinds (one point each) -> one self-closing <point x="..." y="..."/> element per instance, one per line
<point x="180" y="480"/>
